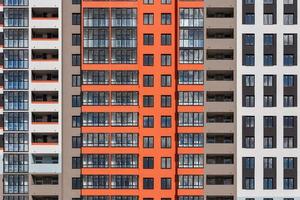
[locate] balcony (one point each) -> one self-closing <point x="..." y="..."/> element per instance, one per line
<point x="219" y="54"/>
<point x="219" y="138"/>
<point x="44" y="97"/>
<point x="44" y="13"/>
<point x="44" y="76"/>
<point x="222" y="117"/>
<point x="219" y="33"/>
<point x="220" y="159"/>
<point x="44" y="118"/>
<point x="44" y="138"/>
<point x="219" y="180"/>
<point x="44" y="197"/>
<point x="45" y="179"/>
<point x="219" y="12"/>
<point x="219" y="75"/>
<point x="44" y="34"/>
<point x="44" y="55"/>
<point x="225" y="96"/>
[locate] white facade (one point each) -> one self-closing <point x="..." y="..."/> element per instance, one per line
<point x="259" y="111"/>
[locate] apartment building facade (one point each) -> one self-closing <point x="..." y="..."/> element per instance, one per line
<point x="267" y="107"/>
<point x="31" y="128"/>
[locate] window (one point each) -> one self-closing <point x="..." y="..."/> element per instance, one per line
<point x="74" y="2"/>
<point x="76" y="141"/>
<point x="268" y="80"/>
<point x="122" y="139"/>
<point x="148" y="142"/>
<point x="124" y="182"/>
<point x="165" y="101"/>
<point x="269" y="162"/>
<point x="268" y="183"/>
<point x="148" y="122"/>
<point x="17" y="142"/>
<point x="124" y="119"/>
<point x="76" y="162"/>
<point x="16" y="80"/>
<point x="165" y="183"/>
<point x="249" y="18"/>
<point x="15" y="59"/>
<point x="288" y="1"/>
<point x="76" y="100"/>
<point x="268" y="142"/>
<point x="76" y="82"/>
<point x="165" y="162"/>
<point x="148" y="162"/>
<point x="268" y="1"/>
<point x="124" y="98"/>
<point x="268" y="19"/>
<point x="288" y="60"/>
<point x="96" y="119"/>
<point x="16" y="163"/>
<point x="15" y="184"/>
<point x="16" y="3"/>
<point x="288" y="101"/>
<point x="190" y="140"/>
<point x="288" y="142"/>
<point x="268" y="101"/>
<point x="123" y="160"/>
<point x="75" y="39"/>
<point x="76" y="183"/>
<point x="249" y="80"/>
<point x="249" y="2"/>
<point x="166" y="122"/>
<point x="289" y="184"/>
<point x="99" y="77"/>
<point x="249" y="121"/>
<point x="190" y="181"/>
<point x="165" y="1"/>
<point x="190" y="119"/>
<point x="289" y="162"/>
<point x="190" y="98"/>
<point x="249" y="39"/>
<point x="14" y="100"/>
<point x="148" y="59"/>
<point x="148" y="18"/>
<point x="148" y="80"/>
<point x="165" y="18"/>
<point x="249" y="162"/>
<point x="15" y="17"/>
<point x="148" y="183"/>
<point x="95" y="181"/>
<point x="249" y="60"/>
<point x="249" y="183"/>
<point x="166" y="59"/>
<point x="249" y="142"/>
<point x="124" y="77"/>
<point x="76" y="19"/>
<point x="76" y="121"/>
<point x="165" y="80"/>
<point x="268" y="60"/>
<point x="148" y="39"/>
<point x="289" y="121"/>
<point x="190" y="77"/>
<point x="249" y="101"/>
<point x="165" y="142"/>
<point x="166" y="39"/>
<point x="96" y="139"/>
<point x="288" y="19"/>
<point x="190" y="161"/>
<point x="289" y="80"/>
<point x="269" y="121"/>
<point x="148" y="1"/>
<point x="16" y="38"/>
<point x="288" y="39"/>
<point x="76" y="59"/>
<point x="268" y="39"/>
<point x="100" y="98"/>
<point x="16" y="121"/>
<point x="148" y="100"/>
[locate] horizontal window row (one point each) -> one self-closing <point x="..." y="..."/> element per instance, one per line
<point x="133" y="198"/>
<point x="131" y="140"/>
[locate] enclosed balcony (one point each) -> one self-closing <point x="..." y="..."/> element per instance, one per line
<point x="44" y="97"/>
<point x="44" y="13"/>
<point x="44" y="117"/>
<point x="44" y="138"/>
<point x="44" y="34"/>
<point x="42" y="55"/>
